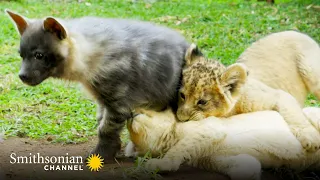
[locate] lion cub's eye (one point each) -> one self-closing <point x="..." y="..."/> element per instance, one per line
<point x="202" y="102"/>
<point x="182" y="96"/>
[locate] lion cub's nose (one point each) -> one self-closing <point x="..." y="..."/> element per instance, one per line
<point x="182" y="115"/>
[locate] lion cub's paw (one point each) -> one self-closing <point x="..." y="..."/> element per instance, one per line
<point x="146" y="112"/>
<point x="162" y="165"/>
<point x="309" y="138"/>
<point x="130" y="150"/>
<point x="245" y="167"/>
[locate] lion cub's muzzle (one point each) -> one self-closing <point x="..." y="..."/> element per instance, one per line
<point x="184" y="114"/>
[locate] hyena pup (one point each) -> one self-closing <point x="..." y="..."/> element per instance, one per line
<point x="124" y="64"/>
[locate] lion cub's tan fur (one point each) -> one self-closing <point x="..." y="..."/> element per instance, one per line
<point x="211" y="89"/>
<point x="286" y="60"/>
<point x="237" y="146"/>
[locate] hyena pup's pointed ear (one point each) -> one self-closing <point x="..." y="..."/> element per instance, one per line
<point x="234" y="78"/>
<point x="192" y="54"/>
<point x="20" y="22"/>
<point x="54" y="26"/>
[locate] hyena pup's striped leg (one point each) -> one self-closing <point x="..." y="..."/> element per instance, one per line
<point x="101" y="109"/>
<point x="109" y="130"/>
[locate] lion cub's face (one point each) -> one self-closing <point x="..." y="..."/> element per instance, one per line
<point x="208" y="87"/>
<point x="140" y="128"/>
<point x="148" y="129"/>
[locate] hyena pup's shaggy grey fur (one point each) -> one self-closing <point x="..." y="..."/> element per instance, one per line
<point x="124" y="64"/>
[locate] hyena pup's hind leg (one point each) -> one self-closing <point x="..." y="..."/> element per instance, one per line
<point x="109" y="130"/>
<point x="101" y="110"/>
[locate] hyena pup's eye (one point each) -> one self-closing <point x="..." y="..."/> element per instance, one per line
<point x="202" y="102"/>
<point x="38" y="55"/>
<point x="182" y="96"/>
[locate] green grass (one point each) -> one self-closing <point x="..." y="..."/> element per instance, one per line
<point x="61" y="111"/>
<point x="139" y="171"/>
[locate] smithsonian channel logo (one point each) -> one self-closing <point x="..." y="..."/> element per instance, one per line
<point x="60" y="163"/>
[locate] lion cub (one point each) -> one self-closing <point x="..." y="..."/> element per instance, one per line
<point x="211" y="89"/>
<point x="286" y="60"/>
<point x="237" y="146"/>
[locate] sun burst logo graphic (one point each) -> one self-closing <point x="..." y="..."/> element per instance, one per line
<point x="95" y="162"/>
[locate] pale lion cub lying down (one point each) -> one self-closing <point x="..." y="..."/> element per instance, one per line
<point x="237" y="146"/>
<point x="209" y="88"/>
<point x="287" y="60"/>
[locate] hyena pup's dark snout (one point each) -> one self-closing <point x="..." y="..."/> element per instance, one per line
<point x="23" y="73"/>
<point x="30" y="77"/>
<point x="24" y="77"/>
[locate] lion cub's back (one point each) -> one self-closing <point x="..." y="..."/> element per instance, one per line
<point x="251" y="127"/>
<point x="273" y="60"/>
<point x="264" y="135"/>
<point x="250" y="122"/>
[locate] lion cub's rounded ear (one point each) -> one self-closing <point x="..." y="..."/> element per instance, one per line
<point x="54" y="26"/>
<point x="234" y="78"/>
<point x="192" y="55"/>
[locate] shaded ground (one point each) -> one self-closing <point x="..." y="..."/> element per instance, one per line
<point x="22" y="147"/>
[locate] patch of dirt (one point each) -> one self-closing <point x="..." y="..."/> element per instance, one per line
<point x="23" y="147"/>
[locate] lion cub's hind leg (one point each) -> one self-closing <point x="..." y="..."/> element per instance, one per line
<point x="313" y="114"/>
<point x="309" y="66"/>
<point x="298" y="122"/>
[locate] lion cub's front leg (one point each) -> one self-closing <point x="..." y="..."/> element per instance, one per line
<point x="177" y="155"/>
<point x="299" y="124"/>
<point x="239" y="167"/>
<point x="189" y="149"/>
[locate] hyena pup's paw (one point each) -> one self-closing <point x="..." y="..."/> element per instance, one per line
<point x="162" y="165"/>
<point x="107" y="150"/>
<point x="309" y="137"/>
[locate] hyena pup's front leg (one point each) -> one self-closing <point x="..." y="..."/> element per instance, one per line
<point x="109" y="130"/>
